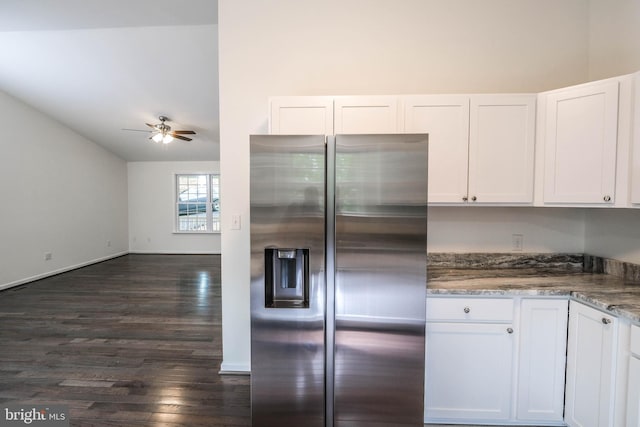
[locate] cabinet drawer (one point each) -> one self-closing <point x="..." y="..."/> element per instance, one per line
<point x="635" y="340"/>
<point x="470" y="309"/>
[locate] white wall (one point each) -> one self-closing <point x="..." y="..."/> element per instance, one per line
<point x="335" y="47"/>
<point x="614" y="49"/>
<point x="490" y="229"/>
<point x="613" y="233"/>
<point x="614" y="38"/>
<point x="152" y="209"/>
<point x="59" y="193"/>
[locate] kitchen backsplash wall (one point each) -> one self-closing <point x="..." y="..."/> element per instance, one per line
<point x="570" y="262"/>
<point x="560" y="261"/>
<point x="628" y="271"/>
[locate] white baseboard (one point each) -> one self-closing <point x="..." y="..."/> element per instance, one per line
<point x="235" y="369"/>
<point x="60" y="270"/>
<point x="174" y="252"/>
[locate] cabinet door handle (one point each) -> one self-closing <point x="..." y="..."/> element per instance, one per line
<point x="474" y="198"/>
<point x="510" y="330"/>
<point x="467" y="310"/>
<point x="464" y="198"/>
<point x="607" y="198"/>
<point x="606" y="320"/>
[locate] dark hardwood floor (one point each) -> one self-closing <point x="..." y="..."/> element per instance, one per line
<point x="133" y="341"/>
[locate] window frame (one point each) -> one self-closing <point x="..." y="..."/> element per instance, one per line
<point x="212" y="222"/>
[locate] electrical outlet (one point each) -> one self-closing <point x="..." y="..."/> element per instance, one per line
<point x="517" y="242"/>
<point x="48" y="256"/>
<point x="235" y="222"/>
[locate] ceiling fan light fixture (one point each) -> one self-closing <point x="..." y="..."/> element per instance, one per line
<point x="161" y="132"/>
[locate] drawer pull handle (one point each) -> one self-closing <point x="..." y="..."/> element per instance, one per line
<point x="510" y="330"/>
<point x="606" y="320"/>
<point x="467" y="310"/>
<point x="607" y="198"/>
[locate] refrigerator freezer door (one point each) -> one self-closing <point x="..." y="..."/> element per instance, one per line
<point x="287" y="308"/>
<point x="381" y="234"/>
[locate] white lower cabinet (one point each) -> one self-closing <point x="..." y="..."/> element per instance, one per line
<point x="541" y="370"/>
<point x="633" y="391"/>
<point x="591" y="368"/>
<point x="468" y="371"/>
<point x="495" y="360"/>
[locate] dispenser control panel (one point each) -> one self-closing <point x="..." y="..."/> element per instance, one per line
<point x="286" y="278"/>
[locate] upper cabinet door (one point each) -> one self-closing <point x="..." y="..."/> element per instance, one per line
<point x="366" y="114"/>
<point x="501" y="148"/>
<point x="301" y="115"/>
<point x="580" y="144"/>
<point x="446" y="119"/>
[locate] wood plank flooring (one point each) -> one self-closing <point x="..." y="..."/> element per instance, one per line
<point x="130" y="342"/>
<point x="133" y="341"/>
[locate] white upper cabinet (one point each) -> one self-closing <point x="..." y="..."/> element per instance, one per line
<point x="501" y="148"/>
<point x="481" y="147"/>
<point x="580" y="142"/>
<point x="301" y="115"/>
<point x="366" y="114"/>
<point x="446" y="119"/>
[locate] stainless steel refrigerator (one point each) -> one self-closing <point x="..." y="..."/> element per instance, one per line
<point x="338" y="280"/>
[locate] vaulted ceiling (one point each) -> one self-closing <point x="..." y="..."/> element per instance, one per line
<point x="101" y="66"/>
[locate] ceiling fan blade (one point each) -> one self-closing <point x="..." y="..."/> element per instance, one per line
<point x="184" y="138"/>
<point x="150" y="125"/>
<point x="183" y="132"/>
<point x="137" y="130"/>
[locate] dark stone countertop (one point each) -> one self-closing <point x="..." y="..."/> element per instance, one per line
<point x="606" y="292"/>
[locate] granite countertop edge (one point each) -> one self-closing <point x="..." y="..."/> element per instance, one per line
<point x="608" y="293"/>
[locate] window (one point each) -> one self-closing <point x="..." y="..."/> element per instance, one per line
<point x="198" y="203"/>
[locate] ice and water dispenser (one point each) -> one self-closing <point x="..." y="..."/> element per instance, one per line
<point x="286" y="279"/>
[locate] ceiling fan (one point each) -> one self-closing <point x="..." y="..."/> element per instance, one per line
<point x="162" y="132"/>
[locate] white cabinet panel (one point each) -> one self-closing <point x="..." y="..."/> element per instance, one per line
<point x="580" y="144"/>
<point x="635" y="340"/>
<point x="501" y="148"/>
<point x="495" y="360"/>
<point x="635" y="144"/>
<point x="301" y="115"/>
<point x="543" y="343"/>
<point x="590" y="367"/>
<point x="366" y="114"/>
<point x="468" y="371"/>
<point x="446" y="119"/>
<point x="470" y="309"/>
<point x="633" y="393"/>
<point x="481" y="147"/>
